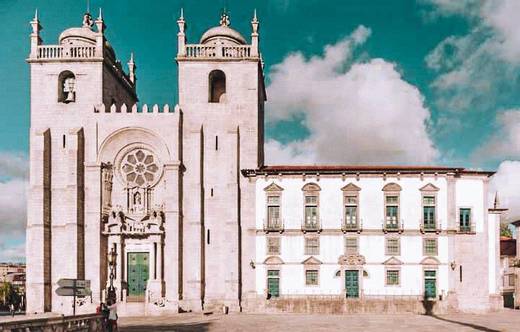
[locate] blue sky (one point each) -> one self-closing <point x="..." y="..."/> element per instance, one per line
<point x="401" y="82"/>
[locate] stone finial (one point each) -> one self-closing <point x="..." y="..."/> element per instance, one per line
<point x="100" y="23"/>
<point x="131" y="68"/>
<point x="35" y="35"/>
<point x="254" y="35"/>
<point x="88" y="22"/>
<point x="181" y="35"/>
<point x="224" y="19"/>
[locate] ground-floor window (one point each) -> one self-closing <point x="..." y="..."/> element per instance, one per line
<point x="392" y="277"/>
<point x="311" y="277"/>
<point x="273" y="283"/>
<point x="430" y="284"/>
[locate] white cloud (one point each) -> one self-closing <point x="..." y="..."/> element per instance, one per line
<point x="481" y="68"/>
<point x="13" y="211"/>
<point x="507" y="181"/>
<point x="356" y="112"/>
<point x="505" y="142"/>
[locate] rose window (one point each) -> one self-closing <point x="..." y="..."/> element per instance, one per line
<point x="140" y="167"/>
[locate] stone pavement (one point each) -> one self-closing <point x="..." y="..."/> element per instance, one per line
<point x="507" y="320"/>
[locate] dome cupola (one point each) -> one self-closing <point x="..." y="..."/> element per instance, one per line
<point x="222" y="33"/>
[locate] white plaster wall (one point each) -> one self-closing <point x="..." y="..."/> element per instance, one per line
<point x="470" y="194"/>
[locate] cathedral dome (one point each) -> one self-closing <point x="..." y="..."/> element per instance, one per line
<point x="83" y="34"/>
<point x="223" y="31"/>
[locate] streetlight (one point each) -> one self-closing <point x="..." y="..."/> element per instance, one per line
<point x="112" y="255"/>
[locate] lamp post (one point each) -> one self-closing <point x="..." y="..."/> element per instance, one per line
<point x="112" y="255"/>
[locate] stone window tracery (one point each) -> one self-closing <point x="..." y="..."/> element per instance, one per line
<point x="140" y="168"/>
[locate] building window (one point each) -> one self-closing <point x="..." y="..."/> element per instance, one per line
<point x="66" y="87"/>
<point x="393" y="247"/>
<point x="312" y="246"/>
<point x="392" y="211"/>
<point x="465" y="219"/>
<point x="273" y="283"/>
<point x="429" y="212"/>
<point x="273" y="212"/>
<point x="430" y="247"/>
<point x="217" y="86"/>
<point x="351" y="246"/>
<point x="311" y="277"/>
<point x="311" y="211"/>
<point x="392" y="277"/>
<point x="273" y="246"/>
<point x="351" y="212"/>
<point x="430" y="284"/>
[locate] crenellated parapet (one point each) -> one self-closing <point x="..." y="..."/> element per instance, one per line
<point x="138" y="109"/>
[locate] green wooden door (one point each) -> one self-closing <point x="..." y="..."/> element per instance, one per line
<point x="137" y="273"/>
<point x="273" y="283"/>
<point x="352" y="283"/>
<point x="430" y="284"/>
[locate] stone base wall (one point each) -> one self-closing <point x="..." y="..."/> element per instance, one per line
<point x="340" y="305"/>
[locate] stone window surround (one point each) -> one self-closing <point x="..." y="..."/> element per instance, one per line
<point x="429" y="190"/>
<point x="345" y="244"/>
<point x="121" y="154"/>
<point x="269" y="253"/>
<point x="305" y="248"/>
<point x="360" y="270"/>
<point x="425" y="253"/>
<point x="273" y="189"/>
<point x="353" y="191"/>
<point x="64" y="75"/>
<point x="278" y="268"/>
<point x="311" y="189"/>
<point x="472" y="225"/>
<point x="392" y="189"/>
<point x="393" y="268"/>
<point x="388" y="253"/>
<point x="311" y="267"/>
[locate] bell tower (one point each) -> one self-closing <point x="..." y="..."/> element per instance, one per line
<point x="221" y="95"/>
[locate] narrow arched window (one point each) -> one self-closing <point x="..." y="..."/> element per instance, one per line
<point x="217" y="86"/>
<point x="66" y="87"/>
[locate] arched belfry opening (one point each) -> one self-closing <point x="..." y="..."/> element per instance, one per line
<point x="217" y="86"/>
<point x="66" y="87"/>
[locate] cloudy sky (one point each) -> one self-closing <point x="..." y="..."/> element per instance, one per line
<point x="348" y="81"/>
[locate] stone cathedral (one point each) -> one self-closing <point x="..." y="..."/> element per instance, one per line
<point x="171" y="208"/>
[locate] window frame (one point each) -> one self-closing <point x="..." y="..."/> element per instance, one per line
<point x="347" y="238"/>
<point x="425" y="240"/>
<point x="387" y="240"/>
<point x="279" y="277"/>
<point x="434" y="205"/>
<point x="312" y="268"/>
<point x="306" y="248"/>
<point x="470" y="221"/>
<point x="311" y="190"/>
<point x="393" y="269"/>
<point x="268" y="245"/>
<point x="213" y="77"/>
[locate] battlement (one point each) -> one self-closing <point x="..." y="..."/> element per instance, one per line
<point x="144" y="109"/>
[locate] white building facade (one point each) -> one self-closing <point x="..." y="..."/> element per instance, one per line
<point x="171" y="209"/>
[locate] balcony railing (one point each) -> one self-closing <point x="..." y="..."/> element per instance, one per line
<point x="201" y="51"/>
<point x="430" y="226"/>
<point x="352" y="225"/>
<point x="65" y="52"/>
<point x="392" y="226"/>
<point x="273" y="225"/>
<point x="311" y="225"/>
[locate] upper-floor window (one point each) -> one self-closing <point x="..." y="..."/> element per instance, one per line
<point x="392" y="191"/>
<point x="351" y="246"/>
<point x="66" y="87"/>
<point x="273" y="245"/>
<point x="217" y="86"/>
<point x="312" y="245"/>
<point x="273" y="221"/>
<point x="311" y="206"/>
<point x="465" y="219"/>
<point x="429" y="212"/>
<point x="393" y="247"/>
<point x="430" y="247"/>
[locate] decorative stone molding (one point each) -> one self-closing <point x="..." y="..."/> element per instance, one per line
<point x="121" y="224"/>
<point x="273" y="187"/>
<point x="273" y="260"/>
<point x="430" y="261"/>
<point x="354" y="259"/>
<point x="311" y="187"/>
<point x="312" y="261"/>
<point x="392" y="187"/>
<point x="393" y="261"/>
<point x="429" y="187"/>
<point x="351" y="187"/>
